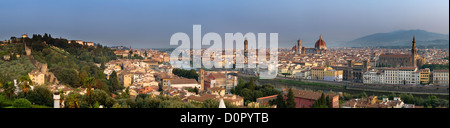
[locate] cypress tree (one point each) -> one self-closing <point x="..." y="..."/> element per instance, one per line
<point x="114" y="82"/>
<point x="280" y="102"/>
<point x="290" y="102"/>
<point x="328" y="102"/>
<point x="251" y="84"/>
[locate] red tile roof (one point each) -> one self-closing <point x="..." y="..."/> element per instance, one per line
<point x="272" y="96"/>
<point x="310" y="94"/>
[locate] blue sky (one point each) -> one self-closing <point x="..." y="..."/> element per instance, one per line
<point x="146" y="24"/>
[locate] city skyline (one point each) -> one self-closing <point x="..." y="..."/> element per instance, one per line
<point x="144" y="24"/>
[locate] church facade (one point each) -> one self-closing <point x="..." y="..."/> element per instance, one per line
<point x="401" y="60"/>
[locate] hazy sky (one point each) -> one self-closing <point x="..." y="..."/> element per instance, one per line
<point x="146" y="24"/>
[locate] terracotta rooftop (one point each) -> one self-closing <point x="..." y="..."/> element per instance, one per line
<point x="407" y="68"/>
<point x="272" y="96"/>
<point x="218" y="75"/>
<point x="183" y="81"/>
<point x="318" y="68"/>
<point x="310" y="94"/>
<point x="440" y="70"/>
<point x="216" y="89"/>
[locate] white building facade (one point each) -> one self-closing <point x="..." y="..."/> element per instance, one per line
<point x="398" y="76"/>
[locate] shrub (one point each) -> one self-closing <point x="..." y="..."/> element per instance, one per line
<point x="22" y="103"/>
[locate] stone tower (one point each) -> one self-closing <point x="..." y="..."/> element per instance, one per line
<point x="202" y="79"/>
<point x="245" y="51"/>
<point x="366" y="65"/>
<point x="414" y="52"/>
<point x="299" y="45"/>
<point x="245" y="48"/>
<point x="303" y="50"/>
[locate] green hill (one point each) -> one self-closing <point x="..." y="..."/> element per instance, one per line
<point x="401" y="38"/>
<point x="69" y="62"/>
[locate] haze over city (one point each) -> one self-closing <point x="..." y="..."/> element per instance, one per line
<point x="149" y="24"/>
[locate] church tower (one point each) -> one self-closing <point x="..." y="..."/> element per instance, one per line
<point x="299" y="45"/>
<point x="245" y="47"/>
<point x="202" y="79"/>
<point x="414" y="52"/>
<point x="246" y="51"/>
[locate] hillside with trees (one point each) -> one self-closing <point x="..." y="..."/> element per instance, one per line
<point x="73" y="64"/>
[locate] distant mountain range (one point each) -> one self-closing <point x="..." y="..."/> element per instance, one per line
<point x="402" y="38"/>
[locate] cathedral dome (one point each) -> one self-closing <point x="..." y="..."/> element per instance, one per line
<point x="320" y="44"/>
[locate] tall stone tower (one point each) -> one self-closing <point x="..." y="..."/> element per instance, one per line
<point x="303" y="50"/>
<point x="414" y="52"/>
<point x="202" y="79"/>
<point x="366" y="65"/>
<point x="245" y="48"/>
<point x="299" y="46"/>
<point x="245" y="51"/>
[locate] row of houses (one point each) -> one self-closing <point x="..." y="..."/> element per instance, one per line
<point x="406" y="76"/>
<point x="314" y="73"/>
<point x="362" y="73"/>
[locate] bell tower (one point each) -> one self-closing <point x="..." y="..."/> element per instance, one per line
<point x="299" y="47"/>
<point x="246" y="51"/>
<point x="414" y="52"/>
<point x="202" y="79"/>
